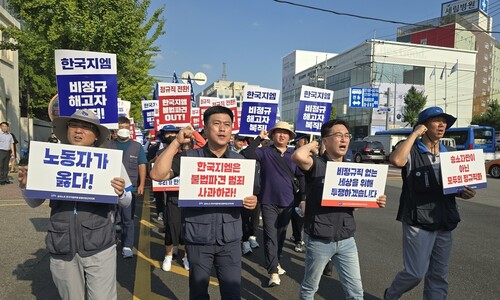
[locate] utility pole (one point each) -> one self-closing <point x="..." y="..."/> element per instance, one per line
<point x="388" y="94"/>
<point x="394" y="119"/>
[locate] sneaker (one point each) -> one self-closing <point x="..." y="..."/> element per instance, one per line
<point x="253" y="242"/>
<point x="281" y="271"/>
<point x="245" y="248"/>
<point x="299" y="247"/>
<point x="167" y="264"/>
<point x="160" y="217"/>
<point x="127" y="252"/>
<point x="185" y="261"/>
<point x="274" y="280"/>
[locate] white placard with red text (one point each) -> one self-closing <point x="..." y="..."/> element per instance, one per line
<point x="353" y="185"/>
<point x="174" y="101"/>
<point x="215" y="182"/>
<point x="462" y="168"/>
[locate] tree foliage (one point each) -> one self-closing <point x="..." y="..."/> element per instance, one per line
<point x="113" y="26"/>
<point x="414" y="103"/>
<point x="491" y="117"/>
<point x="333" y="112"/>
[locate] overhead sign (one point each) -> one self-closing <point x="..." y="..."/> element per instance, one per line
<point x="363" y="97"/>
<point x="464" y="7"/>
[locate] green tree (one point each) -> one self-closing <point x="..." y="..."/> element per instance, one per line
<point x="491" y="117"/>
<point x="414" y="103"/>
<point x="114" y="26"/>
<point x="333" y="113"/>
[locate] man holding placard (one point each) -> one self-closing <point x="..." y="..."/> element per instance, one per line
<point x="81" y="235"/>
<point x="212" y="234"/>
<point x="328" y="230"/>
<point x="427" y="214"/>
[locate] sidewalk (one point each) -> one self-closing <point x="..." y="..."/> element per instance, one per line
<point x="11" y="191"/>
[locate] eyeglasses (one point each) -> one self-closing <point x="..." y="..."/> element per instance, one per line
<point x="84" y="126"/>
<point x="340" y="135"/>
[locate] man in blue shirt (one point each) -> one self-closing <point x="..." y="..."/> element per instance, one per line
<point x="134" y="160"/>
<point x="277" y="204"/>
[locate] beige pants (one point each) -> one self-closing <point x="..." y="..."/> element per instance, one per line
<point x="91" y="278"/>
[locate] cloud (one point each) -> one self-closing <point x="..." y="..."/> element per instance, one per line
<point x="256" y="24"/>
<point x="206" y="66"/>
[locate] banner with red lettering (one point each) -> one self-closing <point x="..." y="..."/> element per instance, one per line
<point x="462" y="168"/>
<point x="215" y="182"/>
<point x="207" y="102"/>
<point x="175" y="104"/>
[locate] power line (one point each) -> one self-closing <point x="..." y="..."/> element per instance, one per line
<point x="371" y="18"/>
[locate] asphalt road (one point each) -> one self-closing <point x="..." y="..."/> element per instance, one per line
<point x="474" y="267"/>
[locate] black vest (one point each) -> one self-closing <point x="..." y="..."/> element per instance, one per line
<point x="422" y="203"/>
<point x="325" y="222"/>
<point x="130" y="159"/>
<point x="79" y="227"/>
<point x="211" y="225"/>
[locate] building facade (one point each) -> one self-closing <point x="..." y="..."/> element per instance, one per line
<point x="9" y="76"/>
<point x="394" y="68"/>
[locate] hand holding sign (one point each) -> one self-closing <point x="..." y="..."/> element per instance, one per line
<point x="250" y="202"/>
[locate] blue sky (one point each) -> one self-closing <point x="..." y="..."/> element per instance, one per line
<point x="252" y="36"/>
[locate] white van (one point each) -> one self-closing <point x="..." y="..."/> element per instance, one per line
<point x="449" y="142"/>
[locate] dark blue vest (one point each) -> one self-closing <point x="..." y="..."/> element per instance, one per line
<point x="422" y="203"/>
<point x="211" y="225"/>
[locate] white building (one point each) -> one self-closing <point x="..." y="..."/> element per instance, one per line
<point x="394" y="68"/>
<point x="9" y="77"/>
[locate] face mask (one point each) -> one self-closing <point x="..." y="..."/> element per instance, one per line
<point x="123" y="133"/>
<point x="170" y="139"/>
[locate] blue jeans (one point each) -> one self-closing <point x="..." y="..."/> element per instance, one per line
<point x="344" y="255"/>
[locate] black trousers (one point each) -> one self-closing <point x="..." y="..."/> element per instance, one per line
<point x="227" y="262"/>
<point x="4" y="165"/>
<point x="297" y="226"/>
<point x="250" y="222"/>
<point x="275" y="221"/>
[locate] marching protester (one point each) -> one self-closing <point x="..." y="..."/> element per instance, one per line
<point x="277" y="204"/>
<point x="81" y="235"/>
<point x="297" y="220"/>
<point x="172" y="211"/>
<point x="329" y="231"/>
<point x="427" y="215"/>
<point x="134" y="160"/>
<point x="212" y="234"/>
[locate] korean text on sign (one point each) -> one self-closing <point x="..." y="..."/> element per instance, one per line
<point x="352" y="185"/>
<point x="72" y="172"/>
<point x="215" y="182"/>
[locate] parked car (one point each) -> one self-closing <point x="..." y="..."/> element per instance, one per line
<point x="497" y="145"/>
<point x="367" y="151"/>
<point x="493" y="168"/>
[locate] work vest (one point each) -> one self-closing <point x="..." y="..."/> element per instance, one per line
<point x="325" y="222"/>
<point x="130" y="159"/>
<point x="211" y="225"/>
<point x="79" y="227"/>
<point x="422" y="203"/>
